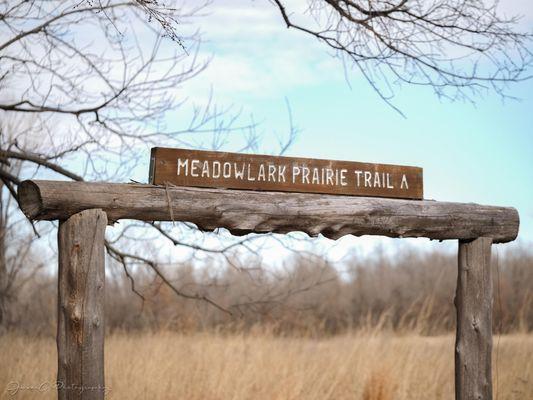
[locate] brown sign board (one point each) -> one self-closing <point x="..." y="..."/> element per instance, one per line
<point x="213" y="169"/>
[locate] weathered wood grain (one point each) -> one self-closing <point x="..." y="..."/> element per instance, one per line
<point x="242" y="211"/>
<point x="80" y="329"/>
<point x="473" y="302"/>
<point x="215" y="169"/>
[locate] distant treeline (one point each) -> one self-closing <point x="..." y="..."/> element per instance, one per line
<point x="308" y="296"/>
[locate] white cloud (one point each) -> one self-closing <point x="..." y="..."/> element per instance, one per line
<point x="255" y="55"/>
<point x="268" y="75"/>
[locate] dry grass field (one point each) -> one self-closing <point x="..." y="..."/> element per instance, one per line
<point x="261" y="366"/>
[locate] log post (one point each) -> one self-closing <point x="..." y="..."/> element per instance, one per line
<point x="473" y="302"/>
<point x="80" y="329"/>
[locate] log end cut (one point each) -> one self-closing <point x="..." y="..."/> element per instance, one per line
<point x="30" y="199"/>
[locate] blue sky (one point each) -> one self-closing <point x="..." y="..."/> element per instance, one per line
<point x="470" y="153"/>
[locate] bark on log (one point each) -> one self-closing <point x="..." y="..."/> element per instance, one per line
<point x="473" y="302"/>
<point x="242" y="211"/>
<point x="80" y="329"/>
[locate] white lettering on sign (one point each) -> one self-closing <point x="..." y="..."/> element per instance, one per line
<point x="404" y="184"/>
<point x="194" y="166"/>
<point x="389" y="185"/>
<point x="239" y="174"/>
<point x="281" y="173"/>
<point x="358" y="175"/>
<point x="377" y="180"/>
<point x="222" y="170"/>
<point x="300" y="174"/>
<point x="205" y="170"/>
<point x="368" y="178"/>
<point x="183" y="164"/>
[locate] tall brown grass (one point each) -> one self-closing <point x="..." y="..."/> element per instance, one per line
<point x="369" y="329"/>
<point x="262" y="366"/>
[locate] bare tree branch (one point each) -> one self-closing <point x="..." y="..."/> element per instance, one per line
<point x="459" y="48"/>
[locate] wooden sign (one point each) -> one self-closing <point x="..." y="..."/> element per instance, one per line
<point x="215" y="169"/>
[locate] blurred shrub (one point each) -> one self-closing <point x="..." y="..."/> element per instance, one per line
<point x="308" y="296"/>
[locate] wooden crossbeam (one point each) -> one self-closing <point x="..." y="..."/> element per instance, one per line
<point x="242" y="211"/>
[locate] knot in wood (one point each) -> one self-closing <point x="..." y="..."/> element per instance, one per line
<point x="75" y="314"/>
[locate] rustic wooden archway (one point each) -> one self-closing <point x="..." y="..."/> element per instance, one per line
<point x="85" y="209"/>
